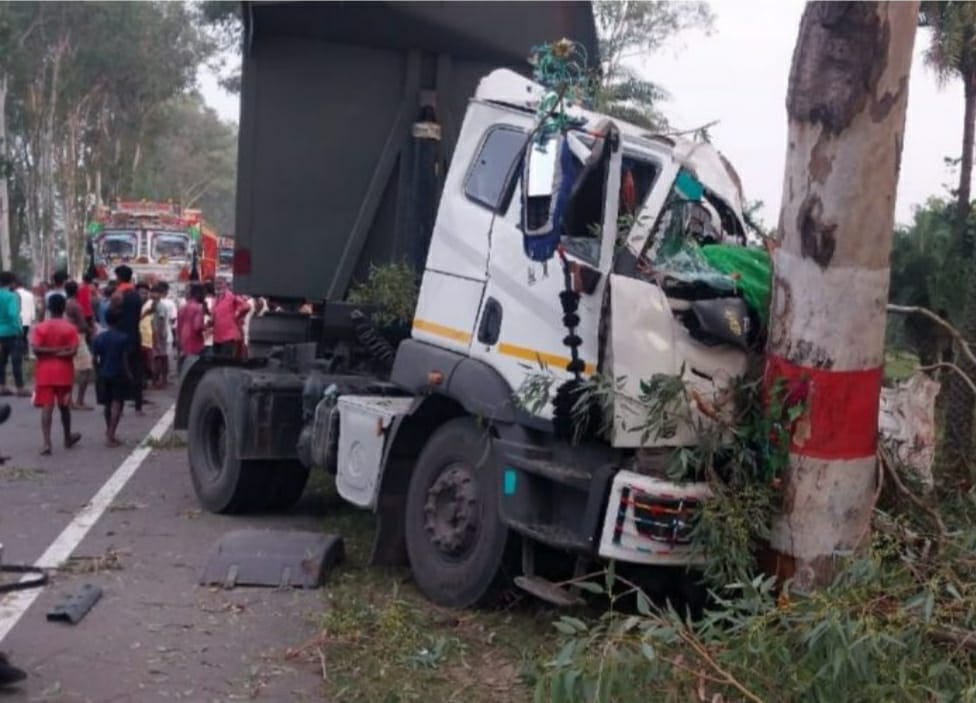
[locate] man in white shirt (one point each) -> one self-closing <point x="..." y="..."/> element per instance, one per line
<point x="28" y="313"/>
<point x="170" y="310"/>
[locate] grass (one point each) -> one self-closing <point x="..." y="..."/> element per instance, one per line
<point x="382" y="642"/>
<point x="899" y="364"/>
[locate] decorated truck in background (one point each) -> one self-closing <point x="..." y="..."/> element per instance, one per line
<point x="225" y="257"/>
<point x="159" y="241"/>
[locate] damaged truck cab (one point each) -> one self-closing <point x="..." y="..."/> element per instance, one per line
<point x="547" y="265"/>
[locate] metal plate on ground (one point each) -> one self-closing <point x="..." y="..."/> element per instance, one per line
<point x="276" y="558"/>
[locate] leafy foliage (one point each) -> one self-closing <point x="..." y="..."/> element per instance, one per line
<point x="927" y="270"/>
<point x="392" y="288"/>
<point x="893" y="626"/>
<point x="193" y="160"/>
<point x="88" y="83"/>
<point x="628" y="29"/>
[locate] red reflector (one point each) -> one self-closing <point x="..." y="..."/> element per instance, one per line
<point x="242" y="262"/>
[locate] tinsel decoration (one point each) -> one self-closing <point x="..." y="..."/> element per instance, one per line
<point x="560" y="68"/>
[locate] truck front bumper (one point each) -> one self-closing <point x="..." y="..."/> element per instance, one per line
<point x="649" y="520"/>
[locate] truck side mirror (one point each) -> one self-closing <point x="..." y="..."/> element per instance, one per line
<point x="543" y="195"/>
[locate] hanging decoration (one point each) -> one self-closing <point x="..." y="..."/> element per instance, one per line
<point x="91" y="269"/>
<point x="560" y="68"/>
<point x="194" y="268"/>
<point x="94" y="229"/>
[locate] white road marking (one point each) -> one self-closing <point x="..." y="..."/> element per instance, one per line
<point x="15" y="604"/>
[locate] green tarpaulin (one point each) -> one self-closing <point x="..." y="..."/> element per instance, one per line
<point x="749" y="267"/>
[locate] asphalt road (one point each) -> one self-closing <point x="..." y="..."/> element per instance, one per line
<point x="155" y="635"/>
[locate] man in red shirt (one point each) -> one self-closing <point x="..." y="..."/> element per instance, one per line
<point x="190" y="324"/>
<point x="85" y="301"/>
<point x="55" y="342"/>
<point x="229" y="311"/>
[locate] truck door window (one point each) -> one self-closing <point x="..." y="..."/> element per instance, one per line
<point x="492" y="175"/>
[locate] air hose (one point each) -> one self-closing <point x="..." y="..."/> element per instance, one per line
<point x="369" y="337"/>
<point x="569" y="422"/>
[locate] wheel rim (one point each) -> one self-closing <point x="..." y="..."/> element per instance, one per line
<point x="214" y="441"/>
<point x="452" y="517"/>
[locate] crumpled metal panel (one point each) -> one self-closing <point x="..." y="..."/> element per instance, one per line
<point x="276" y="558"/>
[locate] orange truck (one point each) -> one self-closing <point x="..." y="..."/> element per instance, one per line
<point x="157" y="240"/>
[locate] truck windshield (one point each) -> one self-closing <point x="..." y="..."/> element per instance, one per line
<point x="170" y="245"/>
<point x="120" y="245"/>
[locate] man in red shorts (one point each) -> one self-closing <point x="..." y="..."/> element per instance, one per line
<point x="55" y="342"/>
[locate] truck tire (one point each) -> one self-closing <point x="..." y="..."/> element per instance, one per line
<point x="222" y="481"/>
<point x="286" y="483"/>
<point x="455" y="537"/>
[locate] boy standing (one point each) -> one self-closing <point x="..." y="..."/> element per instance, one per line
<point x="112" y="356"/>
<point x="55" y="342"/>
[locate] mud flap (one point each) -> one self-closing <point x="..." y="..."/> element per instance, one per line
<point x="275" y="558"/>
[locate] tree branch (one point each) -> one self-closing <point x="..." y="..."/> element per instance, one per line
<point x="951" y="367"/>
<point x="956" y="334"/>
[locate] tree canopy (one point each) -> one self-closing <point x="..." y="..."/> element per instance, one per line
<point x="100" y="105"/>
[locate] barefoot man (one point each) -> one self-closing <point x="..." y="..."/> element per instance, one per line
<point x="55" y="343"/>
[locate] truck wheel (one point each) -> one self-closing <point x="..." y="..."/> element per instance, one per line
<point x="222" y="481"/>
<point x="286" y="483"/>
<point x="455" y="537"/>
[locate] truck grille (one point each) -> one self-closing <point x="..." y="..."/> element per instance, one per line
<point x="661" y="518"/>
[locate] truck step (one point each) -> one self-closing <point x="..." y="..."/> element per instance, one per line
<point x="551" y="535"/>
<point x="548" y="591"/>
<point x="558" y="473"/>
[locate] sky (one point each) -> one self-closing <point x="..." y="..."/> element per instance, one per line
<point x="738" y="76"/>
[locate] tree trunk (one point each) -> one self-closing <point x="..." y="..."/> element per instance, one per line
<point x="957" y="444"/>
<point x="846" y="107"/>
<point x="6" y="261"/>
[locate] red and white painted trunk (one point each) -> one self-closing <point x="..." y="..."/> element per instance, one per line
<point x="846" y="106"/>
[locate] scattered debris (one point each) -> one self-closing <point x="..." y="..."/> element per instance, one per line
<point x="77" y="605"/>
<point x="20" y="473"/>
<point x="123" y="506"/>
<point x="907" y="424"/>
<point x="109" y="561"/>
<point x="171" y="440"/>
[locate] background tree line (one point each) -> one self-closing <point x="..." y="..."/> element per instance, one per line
<point x="99" y="103"/>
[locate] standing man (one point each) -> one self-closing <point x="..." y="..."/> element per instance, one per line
<point x="11" y="347"/>
<point x="85" y="300"/>
<point x="229" y="311"/>
<point x="55" y="343"/>
<point x="28" y="313"/>
<point x="190" y="324"/>
<point x="129" y="305"/>
<point x="167" y="307"/>
<point x="57" y="288"/>
<point x="75" y="314"/>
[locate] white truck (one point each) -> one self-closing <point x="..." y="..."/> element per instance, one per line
<point x="427" y="429"/>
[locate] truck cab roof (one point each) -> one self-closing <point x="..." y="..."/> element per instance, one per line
<point x="704" y="161"/>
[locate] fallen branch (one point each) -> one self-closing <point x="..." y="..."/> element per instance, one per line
<point x="963" y="639"/>
<point x="887" y="462"/>
<point x="952" y="367"/>
<point x="956" y="334"/>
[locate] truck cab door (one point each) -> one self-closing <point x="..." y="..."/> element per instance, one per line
<point x="520" y="330"/>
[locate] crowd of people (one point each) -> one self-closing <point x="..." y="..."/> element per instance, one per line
<point x="119" y="337"/>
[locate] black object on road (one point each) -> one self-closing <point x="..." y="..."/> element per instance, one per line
<point x="9" y="674"/>
<point x="276" y="558"/>
<point x="77" y="606"/>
